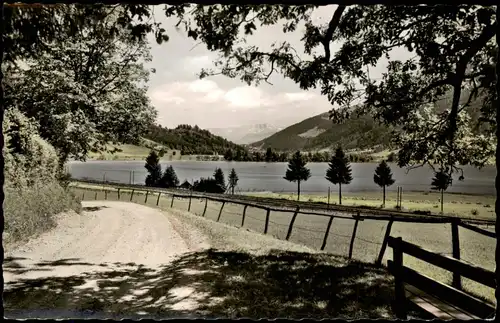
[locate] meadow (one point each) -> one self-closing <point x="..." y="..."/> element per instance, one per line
<point x="455" y="204"/>
<point x="309" y="230"/>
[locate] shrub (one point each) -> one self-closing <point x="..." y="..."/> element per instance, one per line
<point x="487" y="205"/>
<point x="208" y="185"/>
<point x="474" y="212"/>
<point x="35" y="184"/>
<point x="421" y="212"/>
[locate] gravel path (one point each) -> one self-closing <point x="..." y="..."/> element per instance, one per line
<point x="106" y="237"/>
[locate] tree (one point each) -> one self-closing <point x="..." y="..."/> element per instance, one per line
<point x="383" y="177"/>
<point x="169" y="178"/>
<point x="219" y="179"/>
<point x="269" y="155"/>
<point x="457" y="57"/>
<point x="339" y="170"/>
<point x="233" y="180"/>
<point x="297" y="171"/>
<point x="83" y="66"/>
<point x="228" y="155"/>
<point x="154" y="169"/>
<point x="440" y="182"/>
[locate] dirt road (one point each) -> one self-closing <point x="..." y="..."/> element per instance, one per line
<point x="106" y="237"/>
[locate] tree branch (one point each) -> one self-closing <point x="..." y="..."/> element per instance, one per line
<point x="334" y="22"/>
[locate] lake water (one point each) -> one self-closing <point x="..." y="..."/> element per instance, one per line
<point x="269" y="176"/>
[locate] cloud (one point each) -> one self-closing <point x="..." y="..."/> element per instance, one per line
<point x="206" y="104"/>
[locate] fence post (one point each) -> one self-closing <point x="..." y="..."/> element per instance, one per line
<point x="244" y="213"/>
<point x="289" y="233"/>
<point x="105" y="194"/>
<point x="172" y="203"/>
<point x="384" y="243"/>
<point x="457" y="280"/>
<point x="95" y="196"/>
<point x="326" y="233"/>
<point x="189" y="205"/>
<point x="132" y="195"/>
<point x="353" y="236"/>
<point x="328" y="204"/>
<point x="220" y="212"/>
<point x="83" y="196"/>
<point x="205" y="209"/>
<point x="400" y="306"/>
<point x="146" y="198"/>
<point x="158" y="199"/>
<point x="267" y="220"/>
<point x="118" y="193"/>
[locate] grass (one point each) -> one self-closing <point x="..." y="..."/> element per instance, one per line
<point x="30" y="210"/>
<point x="460" y="205"/>
<point x="310" y="230"/>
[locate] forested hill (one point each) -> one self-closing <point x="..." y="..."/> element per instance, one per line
<point x="190" y="140"/>
<point x="319" y="132"/>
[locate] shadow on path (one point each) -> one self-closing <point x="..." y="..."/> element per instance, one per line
<point x="209" y="284"/>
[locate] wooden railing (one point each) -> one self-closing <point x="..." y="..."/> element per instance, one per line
<point x="459" y="269"/>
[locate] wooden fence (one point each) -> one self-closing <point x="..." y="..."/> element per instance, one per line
<point x="365" y="211"/>
<point x="459" y="268"/>
<point x="356" y="217"/>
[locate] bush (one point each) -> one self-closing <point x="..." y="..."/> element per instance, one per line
<point x="34" y="181"/>
<point x="420" y="212"/>
<point x="208" y="185"/>
<point x="474" y="212"/>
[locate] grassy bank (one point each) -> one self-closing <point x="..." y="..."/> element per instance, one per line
<point x="30" y="210"/>
<point x="462" y="205"/>
<point x="310" y="230"/>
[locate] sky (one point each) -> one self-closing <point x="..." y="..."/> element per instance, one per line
<point x="180" y="97"/>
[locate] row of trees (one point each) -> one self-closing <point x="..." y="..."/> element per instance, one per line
<point x="339" y="173"/>
<point x="169" y="179"/>
<point x="271" y="156"/>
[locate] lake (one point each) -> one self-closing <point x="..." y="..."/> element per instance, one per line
<point x="269" y="176"/>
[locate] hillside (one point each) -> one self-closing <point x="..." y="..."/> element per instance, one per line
<point x="319" y="132"/>
<point x="190" y="140"/>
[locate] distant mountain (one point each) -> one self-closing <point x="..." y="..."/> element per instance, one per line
<point x="246" y="134"/>
<point x="191" y="140"/>
<point x="319" y="132"/>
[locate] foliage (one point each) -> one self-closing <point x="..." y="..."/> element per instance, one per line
<point x="208" y="185"/>
<point x="169" y="178"/>
<point x="191" y="140"/>
<point x="28" y="158"/>
<point x="154" y="169"/>
<point x="233" y="180"/>
<point x="84" y="81"/>
<point x="441" y="180"/>
<point x="297" y="171"/>
<point x="33" y="192"/>
<point x="339" y="169"/>
<point x="383" y="175"/>
<point x="219" y="178"/>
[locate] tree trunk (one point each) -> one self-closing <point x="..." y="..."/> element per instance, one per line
<point x="340" y="193"/>
<point x="497" y="179"/>
<point x="232" y="190"/>
<point x="442" y="202"/>
<point x="298" y="190"/>
<point x="383" y="201"/>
